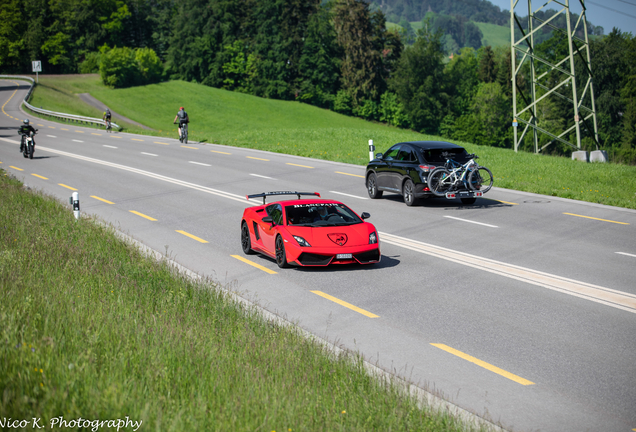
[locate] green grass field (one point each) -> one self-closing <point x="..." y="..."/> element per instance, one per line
<point x="223" y="117"/>
<point x="494" y="35"/>
<point x="91" y="328"/>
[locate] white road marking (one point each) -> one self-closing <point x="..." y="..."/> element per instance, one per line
<point x="199" y="163"/>
<point x="109" y="146"/>
<point x="51" y="136"/>
<point x="352" y="196"/>
<point x="466" y="220"/>
<point x="149" y="154"/>
<point x="607" y="296"/>
<point x="625" y="253"/>
<point x="78" y="141"/>
<point x="262" y="176"/>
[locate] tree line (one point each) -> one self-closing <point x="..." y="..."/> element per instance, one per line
<point x="333" y="54"/>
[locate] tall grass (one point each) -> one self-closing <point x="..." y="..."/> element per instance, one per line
<point x="91" y="328"/>
<point x="237" y="119"/>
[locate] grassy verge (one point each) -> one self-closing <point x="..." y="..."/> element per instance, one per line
<point x="237" y="119"/>
<point x="90" y="328"/>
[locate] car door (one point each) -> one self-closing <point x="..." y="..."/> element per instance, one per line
<point x="404" y="166"/>
<point x="386" y="173"/>
<point x="268" y="229"/>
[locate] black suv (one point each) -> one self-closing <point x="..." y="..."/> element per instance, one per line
<point x="404" y="169"/>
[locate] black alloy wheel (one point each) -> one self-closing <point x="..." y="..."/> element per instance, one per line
<point x="281" y="257"/>
<point x="372" y="187"/>
<point x="246" y="243"/>
<point x="408" y="192"/>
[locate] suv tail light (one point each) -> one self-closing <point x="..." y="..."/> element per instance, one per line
<point x="427" y="168"/>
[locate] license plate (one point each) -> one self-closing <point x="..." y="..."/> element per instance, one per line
<point x="344" y="256"/>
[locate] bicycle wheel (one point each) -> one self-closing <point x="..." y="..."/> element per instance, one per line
<point x="439" y="181"/>
<point x="185" y="133"/>
<point x="480" y="179"/>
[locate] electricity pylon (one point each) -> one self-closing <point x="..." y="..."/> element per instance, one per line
<point x="522" y="51"/>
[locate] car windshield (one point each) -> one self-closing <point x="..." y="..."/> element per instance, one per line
<point x="441" y="155"/>
<point x="320" y="214"/>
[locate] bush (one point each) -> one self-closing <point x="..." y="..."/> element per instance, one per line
<point x="125" y="67"/>
<point x="91" y="63"/>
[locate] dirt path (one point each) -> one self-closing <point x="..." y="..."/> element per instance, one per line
<point x="86" y="97"/>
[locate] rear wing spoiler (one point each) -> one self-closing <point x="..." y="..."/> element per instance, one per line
<point x="264" y="195"/>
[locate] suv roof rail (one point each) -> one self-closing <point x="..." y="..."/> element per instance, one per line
<point x="264" y="195"/>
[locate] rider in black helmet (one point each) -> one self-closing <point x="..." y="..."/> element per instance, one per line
<point x="25" y="129"/>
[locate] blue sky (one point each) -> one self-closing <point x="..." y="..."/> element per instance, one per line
<point x="606" y="13"/>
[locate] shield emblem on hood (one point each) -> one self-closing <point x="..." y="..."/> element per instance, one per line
<point x="338" y="238"/>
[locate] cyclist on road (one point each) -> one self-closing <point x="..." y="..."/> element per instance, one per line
<point x="107" y="116"/>
<point x="183" y="119"/>
<point x="25" y="129"/>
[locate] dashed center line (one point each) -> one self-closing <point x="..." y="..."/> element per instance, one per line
<point x="473" y="222"/>
<point x="626" y="254"/>
<point x="51" y="136"/>
<point x="67" y="187"/>
<point x="193" y="148"/>
<point x="483" y="364"/>
<point x="109" y="146"/>
<point x="302" y="166"/>
<point x="251" y="157"/>
<point x="19" y="169"/>
<point x="598" y="219"/>
<point x="39" y="176"/>
<point x="142" y="215"/>
<point x="149" y="154"/>
<point x="253" y="264"/>
<point x="159" y="142"/>
<point x="199" y="163"/>
<point x="262" y="176"/>
<point x="102" y="199"/>
<point x="216" y="151"/>
<point x="136" y="139"/>
<point x="78" y="141"/>
<point x="200" y="240"/>
<point x="349" y="174"/>
<point x="345" y="304"/>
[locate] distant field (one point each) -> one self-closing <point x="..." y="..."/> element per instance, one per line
<point x="237" y="119"/>
<point x="494" y="35"/>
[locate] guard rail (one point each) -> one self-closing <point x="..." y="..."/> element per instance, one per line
<point x="69" y="117"/>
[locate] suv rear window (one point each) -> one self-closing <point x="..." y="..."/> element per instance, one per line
<point x="441" y="155"/>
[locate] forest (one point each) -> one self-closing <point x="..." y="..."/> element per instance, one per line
<point x="335" y="54"/>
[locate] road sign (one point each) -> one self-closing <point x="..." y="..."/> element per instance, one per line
<point x="37" y="66"/>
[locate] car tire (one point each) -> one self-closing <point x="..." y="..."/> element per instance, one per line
<point x="468" y="201"/>
<point x="372" y="187"/>
<point x="408" y="192"/>
<point x="281" y="256"/>
<point x="246" y="242"/>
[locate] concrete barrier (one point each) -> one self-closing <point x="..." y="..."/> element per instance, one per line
<point x="580" y="155"/>
<point x="598" y="156"/>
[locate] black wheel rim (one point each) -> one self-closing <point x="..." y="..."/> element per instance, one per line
<point x="280" y="251"/>
<point x="408" y="192"/>
<point x="245" y="238"/>
<point x="371" y="186"/>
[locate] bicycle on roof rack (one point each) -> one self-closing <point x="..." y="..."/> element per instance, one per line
<point x="465" y="181"/>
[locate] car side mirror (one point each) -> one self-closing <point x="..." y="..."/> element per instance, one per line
<point x="365" y="215"/>
<point x="379" y="156"/>
<point x="268" y="219"/>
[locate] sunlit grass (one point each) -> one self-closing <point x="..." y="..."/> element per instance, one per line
<point x="222" y="117"/>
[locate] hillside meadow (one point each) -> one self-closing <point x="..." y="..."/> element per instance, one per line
<point x="237" y="119"/>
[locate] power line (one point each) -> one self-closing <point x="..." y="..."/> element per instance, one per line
<point x="613" y="10"/>
<point x="623" y="1"/>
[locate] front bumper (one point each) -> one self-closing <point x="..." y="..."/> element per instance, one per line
<point x="309" y="256"/>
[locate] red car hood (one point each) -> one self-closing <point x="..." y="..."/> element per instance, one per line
<point x="334" y="236"/>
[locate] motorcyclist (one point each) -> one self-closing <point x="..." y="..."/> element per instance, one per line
<point x="182" y="115"/>
<point x="25" y="129"/>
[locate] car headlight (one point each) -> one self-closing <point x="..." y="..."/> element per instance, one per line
<point x="373" y="238"/>
<point x="301" y="241"/>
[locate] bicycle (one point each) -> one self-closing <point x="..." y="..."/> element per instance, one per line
<point x="108" y="125"/>
<point x="454" y="176"/>
<point x="184" y="133"/>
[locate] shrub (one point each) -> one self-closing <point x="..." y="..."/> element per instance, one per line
<point x="125" y="67"/>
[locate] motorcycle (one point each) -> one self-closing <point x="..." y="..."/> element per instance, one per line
<point x="28" y="145"/>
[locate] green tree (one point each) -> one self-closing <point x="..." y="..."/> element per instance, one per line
<point x="11" y="32"/>
<point x="487" y="67"/>
<point x="149" y="66"/>
<point x="240" y="70"/>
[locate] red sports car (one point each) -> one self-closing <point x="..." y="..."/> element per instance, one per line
<point x="308" y="232"/>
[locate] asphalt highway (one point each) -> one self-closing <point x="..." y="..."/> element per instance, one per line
<point x="520" y="309"/>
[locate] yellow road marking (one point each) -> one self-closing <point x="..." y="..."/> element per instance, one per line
<point x="253" y="264"/>
<point x="40" y="125"/>
<point x="135" y="139"/>
<point x="216" y="151"/>
<point x="143" y="215"/>
<point x="504" y="202"/>
<point x="193" y="148"/>
<point x="102" y="199"/>
<point x="353" y="175"/>
<point x="64" y="129"/>
<point x="115" y="137"/>
<point x="589" y="217"/>
<point x="483" y="364"/>
<point x="200" y="240"/>
<point x="93" y="133"/>
<point x="19" y="169"/>
<point x="67" y="187"/>
<point x="39" y="176"/>
<point x="345" y="304"/>
<point x="159" y="142"/>
<point x="79" y="131"/>
<point x="51" y="127"/>
<point x="250" y="157"/>
<point x="5" y="104"/>
<point x="302" y="166"/>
